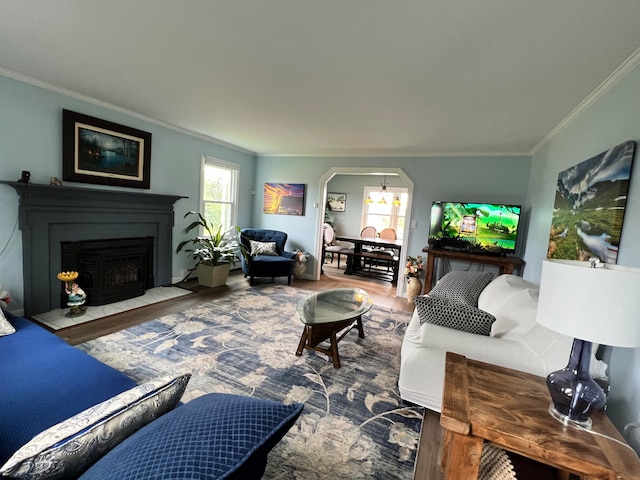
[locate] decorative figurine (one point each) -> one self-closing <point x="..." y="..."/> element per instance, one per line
<point x="77" y="296"/>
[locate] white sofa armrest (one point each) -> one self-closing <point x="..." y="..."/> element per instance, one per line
<point x="498" y="351"/>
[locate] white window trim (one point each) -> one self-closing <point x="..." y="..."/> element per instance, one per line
<point x="394" y="210"/>
<point x="206" y="160"/>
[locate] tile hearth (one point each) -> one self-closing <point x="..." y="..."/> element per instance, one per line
<point x="56" y="320"/>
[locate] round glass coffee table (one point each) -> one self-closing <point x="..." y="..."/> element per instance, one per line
<point x="326" y="313"/>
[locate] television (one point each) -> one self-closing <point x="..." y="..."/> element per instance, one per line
<point x="484" y="228"/>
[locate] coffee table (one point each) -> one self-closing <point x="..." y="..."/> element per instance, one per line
<point x="326" y="313"/>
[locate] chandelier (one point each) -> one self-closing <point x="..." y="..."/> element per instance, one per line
<point x="383" y="195"/>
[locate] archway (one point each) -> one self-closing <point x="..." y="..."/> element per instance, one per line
<point x="362" y="171"/>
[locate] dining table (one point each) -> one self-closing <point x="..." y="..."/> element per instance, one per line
<point x="354" y="260"/>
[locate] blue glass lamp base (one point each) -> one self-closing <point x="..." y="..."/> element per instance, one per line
<point x="568" y="421"/>
<point x="576" y="396"/>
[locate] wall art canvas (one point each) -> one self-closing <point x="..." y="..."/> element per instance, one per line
<point x="102" y="152"/>
<point x="589" y="206"/>
<point x="284" y="198"/>
<point x="337" y="202"/>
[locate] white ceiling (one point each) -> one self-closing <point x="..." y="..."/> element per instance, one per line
<point x="333" y="77"/>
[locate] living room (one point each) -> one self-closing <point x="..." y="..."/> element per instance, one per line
<point x="609" y="114"/>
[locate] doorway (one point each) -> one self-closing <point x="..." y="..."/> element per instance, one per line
<point x="363" y="171"/>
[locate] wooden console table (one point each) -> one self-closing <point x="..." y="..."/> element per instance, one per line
<point x="505" y="264"/>
<point x="483" y="402"/>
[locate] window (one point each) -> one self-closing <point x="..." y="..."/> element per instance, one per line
<point x="385" y="215"/>
<point x="219" y="192"/>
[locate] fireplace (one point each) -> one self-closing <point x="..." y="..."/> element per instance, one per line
<point x="52" y="215"/>
<point x="110" y="270"/>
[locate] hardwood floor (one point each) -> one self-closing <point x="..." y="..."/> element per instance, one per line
<point x="382" y="293"/>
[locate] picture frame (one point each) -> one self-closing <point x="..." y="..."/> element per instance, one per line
<point x="337" y="202"/>
<point x="102" y="152"/>
<point x="589" y="207"/>
<point x="284" y="198"/>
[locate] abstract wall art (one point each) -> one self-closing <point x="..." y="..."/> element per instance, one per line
<point x="284" y="198"/>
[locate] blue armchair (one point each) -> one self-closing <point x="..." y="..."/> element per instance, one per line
<point x="266" y="256"/>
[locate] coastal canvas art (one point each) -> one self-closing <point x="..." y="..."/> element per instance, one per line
<point x="590" y="202"/>
<point x="284" y="198"/>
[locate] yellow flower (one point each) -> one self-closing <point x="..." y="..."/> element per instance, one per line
<point x="67" y="276"/>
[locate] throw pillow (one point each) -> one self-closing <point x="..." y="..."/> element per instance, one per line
<point x="262" y="248"/>
<point x="461" y="286"/>
<point x="5" y="327"/>
<point x="217" y="435"/>
<point x="67" y="449"/>
<point x="451" y="314"/>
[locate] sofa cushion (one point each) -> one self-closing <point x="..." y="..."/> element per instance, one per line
<point x="452" y="314"/>
<point x="214" y="436"/>
<point x="262" y="248"/>
<point x="514" y="303"/>
<point x="67" y="449"/>
<point x="461" y="286"/>
<point x="5" y="327"/>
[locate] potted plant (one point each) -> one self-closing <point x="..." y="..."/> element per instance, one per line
<point x="214" y="253"/>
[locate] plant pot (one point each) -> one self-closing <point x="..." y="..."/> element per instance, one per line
<point x="414" y="288"/>
<point x="213" y="276"/>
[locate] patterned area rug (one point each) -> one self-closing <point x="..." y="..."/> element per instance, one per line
<point x="354" y="425"/>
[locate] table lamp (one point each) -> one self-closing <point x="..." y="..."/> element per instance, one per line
<point x="592" y="302"/>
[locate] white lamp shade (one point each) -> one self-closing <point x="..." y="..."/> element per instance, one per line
<point x="600" y="305"/>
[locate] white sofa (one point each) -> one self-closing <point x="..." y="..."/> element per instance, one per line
<point x="516" y="341"/>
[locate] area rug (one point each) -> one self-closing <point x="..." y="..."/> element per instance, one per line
<point x="354" y="424"/>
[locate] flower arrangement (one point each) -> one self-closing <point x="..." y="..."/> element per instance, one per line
<point x="413" y="267"/>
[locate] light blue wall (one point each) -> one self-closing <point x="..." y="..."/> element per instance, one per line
<point x="613" y="119"/>
<point x="31" y="139"/>
<point x="493" y="179"/>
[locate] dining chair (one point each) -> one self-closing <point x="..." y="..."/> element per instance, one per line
<point x="368" y="232"/>
<point x="328" y="238"/>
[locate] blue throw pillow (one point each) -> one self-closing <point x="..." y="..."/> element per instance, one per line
<point x="214" y="436"/>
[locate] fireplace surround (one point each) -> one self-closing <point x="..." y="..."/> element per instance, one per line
<point x="52" y="215"/>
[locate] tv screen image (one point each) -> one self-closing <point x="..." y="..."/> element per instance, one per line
<point x="476" y="227"/>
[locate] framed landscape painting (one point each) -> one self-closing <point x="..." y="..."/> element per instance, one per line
<point x="102" y="152"/>
<point x="284" y="198"/>
<point x="590" y="202"/>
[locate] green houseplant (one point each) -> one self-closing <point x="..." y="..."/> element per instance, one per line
<point x="214" y="253"/>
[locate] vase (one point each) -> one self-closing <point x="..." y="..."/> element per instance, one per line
<point x="299" y="270"/>
<point x="414" y="288"/>
<point x="209" y="276"/>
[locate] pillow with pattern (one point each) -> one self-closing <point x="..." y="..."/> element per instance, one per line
<point x="262" y="248"/>
<point x="452" y="314"/>
<point x="69" y="448"/>
<point x="461" y="286"/>
<point x="5" y="327"/>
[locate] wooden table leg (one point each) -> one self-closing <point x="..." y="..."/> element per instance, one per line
<point x="303" y="341"/>
<point x="335" y="356"/>
<point x="360" y="327"/>
<point x="464" y="453"/>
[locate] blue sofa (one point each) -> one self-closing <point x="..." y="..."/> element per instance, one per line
<point x="262" y="261"/>
<point x="45" y="381"/>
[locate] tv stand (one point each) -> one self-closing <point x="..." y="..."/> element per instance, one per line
<point x="505" y="264"/>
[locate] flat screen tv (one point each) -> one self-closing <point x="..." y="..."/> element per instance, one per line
<point x="475" y="227"/>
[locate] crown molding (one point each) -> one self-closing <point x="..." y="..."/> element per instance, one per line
<point x="397" y="155"/>
<point x="94" y="101"/>
<point x="619" y="73"/>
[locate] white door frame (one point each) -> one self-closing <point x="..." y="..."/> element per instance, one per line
<point x="333" y="171"/>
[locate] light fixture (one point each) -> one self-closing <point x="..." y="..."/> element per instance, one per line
<point x="383" y="195"/>
<point x="592" y="302"/>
